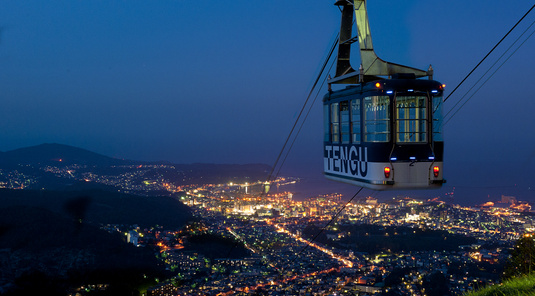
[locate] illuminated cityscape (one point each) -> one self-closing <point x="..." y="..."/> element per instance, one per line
<point x="272" y="228"/>
<point x="321" y="245"/>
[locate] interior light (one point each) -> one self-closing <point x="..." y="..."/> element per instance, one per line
<point x="436" y="170"/>
<point x="393" y="158"/>
<point x="411" y="90"/>
<point x="389" y="92"/>
<point x="387" y="172"/>
<point x="434" y="91"/>
<point x="412" y="158"/>
<point x="431" y="157"/>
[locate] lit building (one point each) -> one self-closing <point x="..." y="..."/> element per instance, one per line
<point x="132" y="237"/>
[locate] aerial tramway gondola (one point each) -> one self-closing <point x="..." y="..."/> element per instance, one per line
<point x="384" y="130"/>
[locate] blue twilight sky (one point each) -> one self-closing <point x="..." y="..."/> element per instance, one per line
<point x="223" y="81"/>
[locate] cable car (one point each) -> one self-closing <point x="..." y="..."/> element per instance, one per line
<point x="383" y="131"/>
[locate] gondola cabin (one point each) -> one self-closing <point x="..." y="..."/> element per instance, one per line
<point x="385" y="134"/>
<point x="383" y="130"/>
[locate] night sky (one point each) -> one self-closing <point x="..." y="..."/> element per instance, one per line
<point x="223" y="81"/>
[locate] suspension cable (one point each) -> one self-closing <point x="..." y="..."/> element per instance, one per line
<point x="303" y="108"/>
<point x="303" y="122"/>
<point x="295" y="124"/>
<point x="486" y="80"/>
<point x="497" y="60"/>
<point x="490" y="52"/>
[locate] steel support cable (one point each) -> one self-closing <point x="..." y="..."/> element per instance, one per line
<point x="489" y="77"/>
<point x="303" y="122"/>
<point x="303" y="108"/>
<point x="490" y="52"/>
<point x="297" y="120"/>
<point x="497" y="60"/>
<point x="309" y="109"/>
<point x="324" y="227"/>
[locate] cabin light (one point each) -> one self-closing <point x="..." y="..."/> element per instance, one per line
<point x="436" y="170"/>
<point x="393" y="158"/>
<point x="387" y="172"/>
<point x="411" y="90"/>
<point x="412" y="158"/>
<point x="431" y="158"/>
<point x="434" y="91"/>
<point x="389" y="92"/>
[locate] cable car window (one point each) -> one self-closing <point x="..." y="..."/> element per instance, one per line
<point x="355" y="121"/>
<point x="326" y="130"/>
<point x="411" y="119"/>
<point x="335" y="123"/>
<point x="344" y="117"/>
<point x="377" y="119"/>
<point x="437" y="119"/>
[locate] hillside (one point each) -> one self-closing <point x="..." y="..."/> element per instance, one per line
<point x="45" y="253"/>
<point x="522" y="286"/>
<point x="102" y="207"/>
<point x="51" y="240"/>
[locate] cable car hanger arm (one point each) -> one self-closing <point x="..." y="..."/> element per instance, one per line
<point x="371" y="65"/>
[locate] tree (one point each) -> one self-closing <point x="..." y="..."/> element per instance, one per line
<point x="436" y="284"/>
<point x="522" y="259"/>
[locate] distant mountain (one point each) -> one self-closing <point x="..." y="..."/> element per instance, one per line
<point x="63" y="167"/>
<point x="57" y="154"/>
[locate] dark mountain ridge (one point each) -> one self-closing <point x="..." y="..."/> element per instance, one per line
<point x="63" y="155"/>
<point x="53" y="153"/>
<point x="63" y="167"/>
